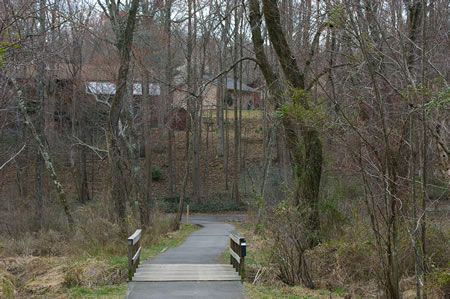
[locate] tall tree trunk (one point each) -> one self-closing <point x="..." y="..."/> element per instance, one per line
<point x="78" y="129"/>
<point x="416" y="18"/>
<point x="424" y="150"/>
<point x="226" y="156"/>
<point x="185" y="179"/>
<point x="195" y="101"/>
<point x="171" y="157"/>
<point x="206" y="170"/>
<point x="237" y="94"/>
<point x="147" y="142"/>
<point x="196" y="151"/>
<point x="83" y="180"/>
<point x="413" y="199"/>
<point x="84" y="190"/>
<point x="191" y="110"/>
<point x="221" y="83"/>
<point x="219" y="112"/>
<point x="38" y="183"/>
<point x="241" y="153"/>
<point x="305" y="147"/>
<point x="39" y="166"/>
<point x="119" y="150"/>
<point x="45" y="154"/>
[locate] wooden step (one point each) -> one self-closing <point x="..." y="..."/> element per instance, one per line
<point x="186" y="272"/>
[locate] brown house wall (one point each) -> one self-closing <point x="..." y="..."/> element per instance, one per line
<point x="210" y="98"/>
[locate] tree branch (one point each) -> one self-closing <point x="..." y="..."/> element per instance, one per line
<point x="322" y="73"/>
<point x="13" y="157"/>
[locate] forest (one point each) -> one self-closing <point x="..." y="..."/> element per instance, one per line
<point x="326" y="122"/>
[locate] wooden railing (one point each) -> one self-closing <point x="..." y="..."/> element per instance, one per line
<point x="134" y="252"/>
<point x="238" y="251"/>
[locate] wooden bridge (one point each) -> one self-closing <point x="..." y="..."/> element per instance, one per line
<point x="194" y="261"/>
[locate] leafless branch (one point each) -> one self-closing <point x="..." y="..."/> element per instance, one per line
<point x="13" y="157"/>
<point x="95" y="149"/>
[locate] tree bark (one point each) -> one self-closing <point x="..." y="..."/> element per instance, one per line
<point x="45" y="154"/>
<point x="84" y="190"/>
<point x="147" y="143"/>
<point x="194" y="100"/>
<point x="423" y="227"/>
<point x="415" y="17"/>
<point x="39" y="166"/>
<point x="171" y="152"/>
<point x="303" y="142"/>
<point x="120" y="151"/>
<point x="78" y="129"/>
<point x="221" y="83"/>
<point x="236" y="154"/>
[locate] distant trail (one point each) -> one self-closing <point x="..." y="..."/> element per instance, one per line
<point x="201" y="247"/>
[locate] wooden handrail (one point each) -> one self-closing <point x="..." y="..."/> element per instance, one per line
<point x="134" y="252"/>
<point x="238" y="251"/>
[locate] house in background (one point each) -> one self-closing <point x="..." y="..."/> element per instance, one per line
<point x="68" y="84"/>
<point x="175" y="120"/>
<point x="250" y="96"/>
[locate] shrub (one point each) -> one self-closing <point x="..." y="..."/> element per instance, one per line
<point x="438" y="283"/>
<point x="332" y="217"/>
<point x="156" y="173"/>
<point x="292" y="239"/>
<point x="72" y="278"/>
<point x="438" y="189"/>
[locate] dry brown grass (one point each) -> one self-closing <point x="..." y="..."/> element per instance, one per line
<point x="49" y="262"/>
<point x="30" y="276"/>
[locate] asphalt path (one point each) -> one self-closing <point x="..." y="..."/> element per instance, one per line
<point x="203" y="246"/>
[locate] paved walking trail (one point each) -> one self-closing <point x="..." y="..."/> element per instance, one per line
<point x="198" y="255"/>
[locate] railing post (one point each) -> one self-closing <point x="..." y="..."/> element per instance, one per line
<point x="231" y="256"/>
<point x="238" y="251"/>
<point x="138" y="245"/>
<point x="242" y="253"/>
<point x="134" y="252"/>
<point x="130" y="259"/>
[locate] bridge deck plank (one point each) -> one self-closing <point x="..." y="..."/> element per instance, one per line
<point x="186" y="272"/>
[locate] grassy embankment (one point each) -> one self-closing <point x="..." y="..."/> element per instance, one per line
<point x="170" y="240"/>
<point x="89" y="273"/>
<point x="260" y="280"/>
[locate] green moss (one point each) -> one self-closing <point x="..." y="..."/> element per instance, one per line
<point x="302" y="109"/>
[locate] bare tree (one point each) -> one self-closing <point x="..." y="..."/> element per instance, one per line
<point x="237" y="107"/>
<point x="121" y="136"/>
<point x="221" y="82"/>
<point x="390" y="90"/>
<point x="303" y="139"/>
<point x="44" y="151"/>
<point x="171" y="150"/>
